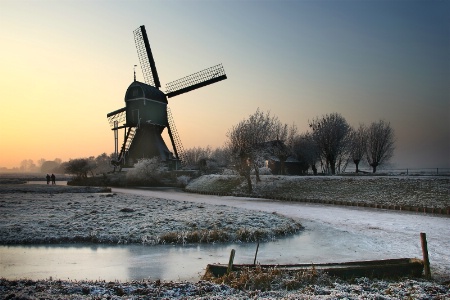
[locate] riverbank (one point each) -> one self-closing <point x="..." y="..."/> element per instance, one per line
<point x="430" y="194"/>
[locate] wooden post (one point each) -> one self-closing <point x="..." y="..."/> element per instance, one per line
<point x="230" y="262"/>
<point x="426" y="260"/>
<point x="257" y="247"/>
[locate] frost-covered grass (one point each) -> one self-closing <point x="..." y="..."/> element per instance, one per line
<point x="222" y="184"/>
<point x="311" y="282"/>
<point x="399" y="191"/>
<point x="312" y="288"/>
<point x="47" y="213"/>
<point x="56" y="214"/>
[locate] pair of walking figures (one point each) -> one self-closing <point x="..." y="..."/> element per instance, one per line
<point x="53" y="178"/>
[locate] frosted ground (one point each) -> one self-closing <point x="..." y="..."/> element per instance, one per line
<point x="407" y="192"/>
<point x="393" y="234"/>
<point x="386" y="233"/>
<point x="41" y="214"/>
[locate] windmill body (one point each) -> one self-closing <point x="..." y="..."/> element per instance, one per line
<point x="146" y="110"/>
<point x="146" y="113"/>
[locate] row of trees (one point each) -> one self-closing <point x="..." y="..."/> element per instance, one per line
<point x="336" y="143"/>
<point x="331" y="143"/>
<point x="41" y="166"/>
<point x="80" y="167"/>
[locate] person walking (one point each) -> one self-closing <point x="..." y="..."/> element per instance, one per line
<point x="48" y="178"/>
<point x="53" y="179"/>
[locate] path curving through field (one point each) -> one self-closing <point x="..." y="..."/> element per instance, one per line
<point x="358" y="233"/>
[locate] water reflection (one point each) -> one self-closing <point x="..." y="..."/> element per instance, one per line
<point x="316" y="244"/>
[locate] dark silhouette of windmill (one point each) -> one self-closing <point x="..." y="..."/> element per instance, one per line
<point x="146" y="113"/>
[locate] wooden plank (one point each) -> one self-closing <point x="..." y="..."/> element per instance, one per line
<point x="375" y="268"/>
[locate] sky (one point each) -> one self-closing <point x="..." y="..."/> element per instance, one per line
<point x="65" y="64"/>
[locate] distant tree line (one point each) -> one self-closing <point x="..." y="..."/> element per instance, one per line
<point x="330" y="145"/>
<point x="80" y="167"/>
<point x="41" y="166"/>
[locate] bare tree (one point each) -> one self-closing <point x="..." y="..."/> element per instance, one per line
<point x="49" y="166"/>
<point x="80" y="167"/>
<point x="358" y="143"/>
<point x="103" y="164"/>
<point x="248" y="142"/>
<point x="240" y="146"/>
<point x="380" y="144"/>
<point x="221" y="156"/>
<point x="197" y="154"/>
<point x="282" y="143"/>
<point x="28" y="165"/>
<point x="306" y="151"/>
<point x="40" y="162"/>
<point x="331" y="134"/>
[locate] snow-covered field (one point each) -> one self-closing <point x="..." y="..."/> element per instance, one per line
<point x="398" y="229"/>
<point x="357" y="230"/>
<point x="395" y="192"/>
<point x="35" y="214"/>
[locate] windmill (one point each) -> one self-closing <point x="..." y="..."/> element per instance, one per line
<point x="146" y="113"/>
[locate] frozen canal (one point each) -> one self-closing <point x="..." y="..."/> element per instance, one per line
<point x="331" y="233"/>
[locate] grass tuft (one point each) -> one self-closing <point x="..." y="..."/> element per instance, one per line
<point x="258" y="278"/>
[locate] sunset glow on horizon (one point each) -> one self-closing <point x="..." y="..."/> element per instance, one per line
<point x="65" y="65"/>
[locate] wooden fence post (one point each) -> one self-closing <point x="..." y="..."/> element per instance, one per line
<point x="230" y="262"/>
<point x="257" y="247"/>
<point x="426" y="260"/>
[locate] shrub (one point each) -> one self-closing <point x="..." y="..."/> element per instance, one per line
<point x="169" y="238"/>
<point x="146" y="170"/>
<point x="264" y="279"/>
<point x="244" y="235"/>
<point x="229" y="172"/>
<point x="265" y="171"/>
<point x="183" y="180"/>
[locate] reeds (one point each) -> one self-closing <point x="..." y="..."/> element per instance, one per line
<point x="266" y="279"/>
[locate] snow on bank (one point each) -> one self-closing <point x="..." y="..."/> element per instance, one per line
<point x="55" y="214"/>
<point x="386" y="191"/>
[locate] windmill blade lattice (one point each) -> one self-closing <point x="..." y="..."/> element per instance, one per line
<point x="145" y="55"/>
<point x="178" y="146"/>
<point x="197" y="80"/>
<point x="117" y="115"/>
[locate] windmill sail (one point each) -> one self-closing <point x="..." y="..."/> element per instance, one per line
<point x="175" y="139"/>
<point x="116" y="116"/>
<point x="146" y="57"/>
<point x="195" y="81"/>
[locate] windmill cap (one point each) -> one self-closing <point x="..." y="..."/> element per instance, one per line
<point x="140" y="90"/>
